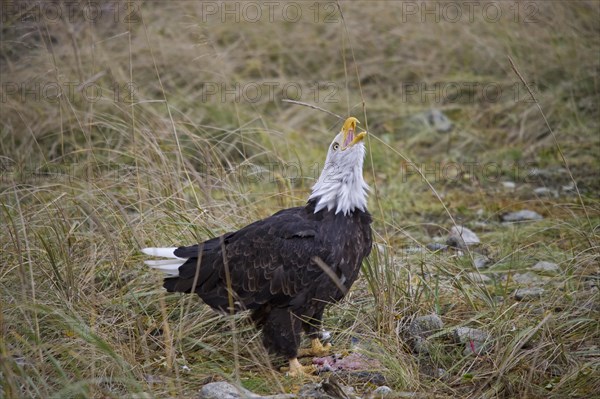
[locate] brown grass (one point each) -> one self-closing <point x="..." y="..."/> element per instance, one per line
<point x="88" y="181"/>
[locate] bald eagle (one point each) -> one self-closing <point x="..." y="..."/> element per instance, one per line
<point x="287" y="267"/>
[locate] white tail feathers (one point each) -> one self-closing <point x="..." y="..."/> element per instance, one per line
<point x="170" y="267"/>
<point x="164" y="252"/>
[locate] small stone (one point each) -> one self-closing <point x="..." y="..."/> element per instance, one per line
<point x="525" y="294"/>
<point x="478" y="278"/>
<point x="436" y="246"/>
<point x="327" y="389"/>
<point x="461" y="237"/>
<point x="424" y="326"/>
<point x="421" y="328"/>
<point x="520" y="216"/>
<point x="545" y="192"/>
<point x="465" y="334"/>
<point x="382" y="392"/>
<point x="546" y="267"/>
<point x="433" y="118"/>
<point x="482" y="262"/>
<point x="475" y="348"/>
<point x="509" y="185"/>
<point x="476" y="341"/>
<point x="225" y="390"/>
<point x="526" y="278"/>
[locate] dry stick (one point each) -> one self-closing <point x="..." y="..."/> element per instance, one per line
<point x="231" y="304"/>
<point x="169" y="351"/>
<point x="312" y="106"/>
<point x="562" y="156"/>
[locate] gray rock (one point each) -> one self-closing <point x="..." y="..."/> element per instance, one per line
<point x="546" y="267"/>
<point x="330" y="388"/>
<point x="434" y="119"/>
<point x="225" y="390"/>
<point x="475" y="348"/>
<point x="478" y="278"/>
<point x="545" y="192"/>
<point x="382" y="392"/>
<point x="528" y="278"/>
<point x="526" y="294"/>
<point x="442" y="373"/>
<point x="509" y="185"/>
<point x="436" y="246"/>
<point x="424" y="326"/>
<point x="476" y="341"/>
<point x="461" y="237"/>
<point x="482" y="262"/>
<point x="421" y="328"/>
<point x="463" y="335"/>
<point x="520" y="216"/>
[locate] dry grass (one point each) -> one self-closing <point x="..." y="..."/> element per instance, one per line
<point x="86" y="182"/>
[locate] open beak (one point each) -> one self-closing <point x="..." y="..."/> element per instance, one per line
<point x="350" y="135"/>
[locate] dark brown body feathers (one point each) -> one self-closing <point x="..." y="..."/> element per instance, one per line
<point x="271" y="268"/>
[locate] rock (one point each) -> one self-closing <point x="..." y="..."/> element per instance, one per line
<point x="475" y="348"/>
<point x="436" y="246"/>
<point x="526" y="294"/>
<point x="463" y="335"/>
<point x="424" y="326"/>
<point x="546" y="267"/>
<point x="545" y="192"/>
<point x="442" y="373"/>
<point x="325" y="335"/>
<point x="476" y="341"/>
<point x="520" y="216"/>
<point x="526" y="278"/>
<point x="509" y="185"/>
<point x="478" y="278"/>
<point x="434" y="119"/>
<point x="225" y="390"/>
<point x="327" y="389"/>
<point x="382" y="392"/>
<point x="421" y="328"/>
<point x="461" y="237"/>
<point x="482" y="262"/>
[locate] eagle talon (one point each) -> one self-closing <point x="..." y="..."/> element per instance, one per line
<point x="316" y="349"/>
<point x="298" y="370"/>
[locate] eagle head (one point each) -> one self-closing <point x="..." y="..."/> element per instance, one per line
<point x="341" y="186"/>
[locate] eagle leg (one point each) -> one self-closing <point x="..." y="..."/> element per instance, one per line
<point x="316" y="349"/>
<point x="298" y="370"/>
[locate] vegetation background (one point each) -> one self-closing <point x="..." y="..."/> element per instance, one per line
<point x="132" y="124"/>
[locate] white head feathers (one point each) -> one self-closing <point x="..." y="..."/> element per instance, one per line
<point x="341" y="186"/>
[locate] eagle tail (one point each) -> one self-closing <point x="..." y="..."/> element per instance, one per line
<point x="170" y="267"/>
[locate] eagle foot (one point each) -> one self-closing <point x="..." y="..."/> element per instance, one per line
<point x="298" y="370"/>
<point x="316" y="349"/>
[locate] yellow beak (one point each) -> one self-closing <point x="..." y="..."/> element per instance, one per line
<point x="350" y="138"/>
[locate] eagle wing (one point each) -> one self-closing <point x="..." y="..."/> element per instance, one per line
<point x="270" y="260"/>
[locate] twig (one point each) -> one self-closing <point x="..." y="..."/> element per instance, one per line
<point x="312" y="106"/>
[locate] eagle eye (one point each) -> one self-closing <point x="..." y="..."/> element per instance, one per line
<point x="335" y="146"/>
